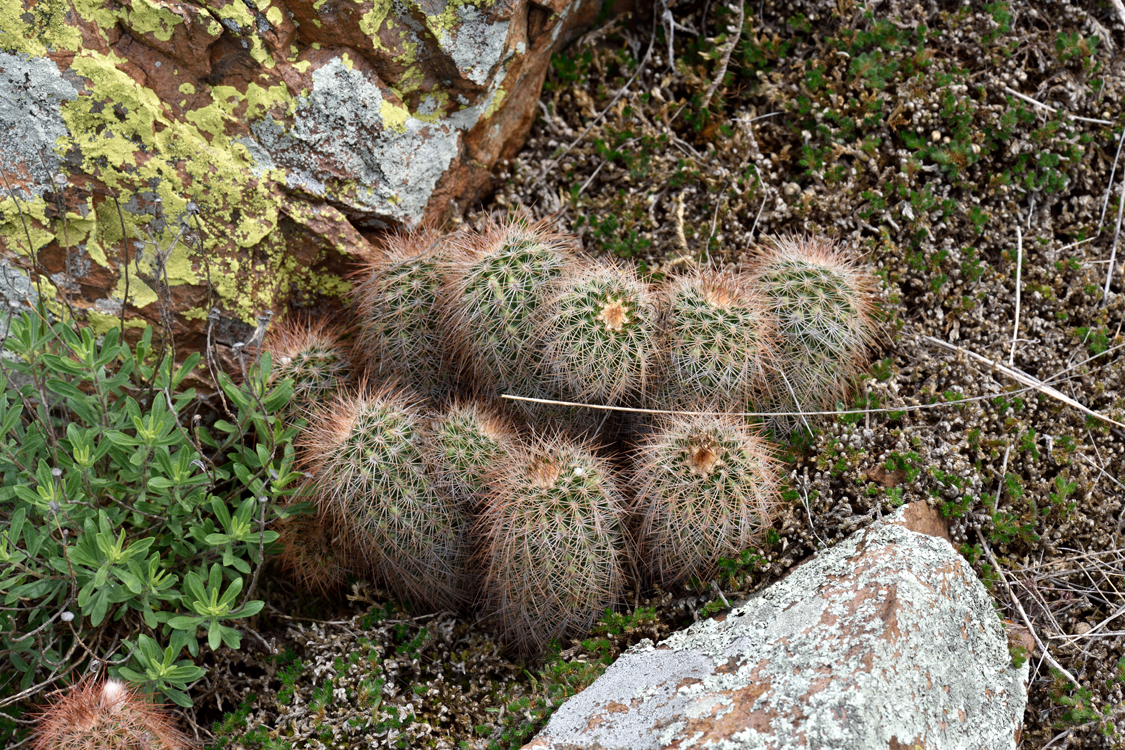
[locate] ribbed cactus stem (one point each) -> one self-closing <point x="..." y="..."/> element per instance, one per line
<point x="464" y="447"/>
<point x="553" y="543"/>
<point x="600" y="334"/>
<point x="823" y="304"/>
<point x="720" y="340"/>
<point x="498" y="284"/>
<point x="106" y="715"/>
<point x="401" y="334"/>
<point x="706" y="489"/>
<point x="313" y="354"/>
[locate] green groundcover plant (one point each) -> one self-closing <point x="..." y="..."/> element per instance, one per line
<point x="133" y="519"/>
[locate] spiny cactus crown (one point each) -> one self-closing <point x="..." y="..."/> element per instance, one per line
<point x="706" y="490"/>
<point x="720" y="339"/>
<point x="106" y="715"/>
<point x="554" y="544"/>
<point x="823" y="309"/>
<point x="600" y="335"/>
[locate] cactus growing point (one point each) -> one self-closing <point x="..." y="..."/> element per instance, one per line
<point x="706" y="489"/>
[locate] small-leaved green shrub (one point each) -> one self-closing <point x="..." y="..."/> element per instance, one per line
<point x="129" y="530"/>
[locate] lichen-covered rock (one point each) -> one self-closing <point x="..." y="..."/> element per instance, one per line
<point x="887" y="640"/>
<point x="279" y="130"/>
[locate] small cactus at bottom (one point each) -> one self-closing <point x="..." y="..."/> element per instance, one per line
<point x="706" y="489"/>
<point x="364" y="451"/>
<point x="552" y="543"/>
<point x="313" y="354"/>
<point x="600" y="335"/>
<point x="312" y="550"/>
<point x="400" y="332"/>
<point x="106" y="715"/>
<point x="498" y="282"/>
<point x="824" y="308"/>
<point x="464" y="446"/>
<point x="720" y="341"/>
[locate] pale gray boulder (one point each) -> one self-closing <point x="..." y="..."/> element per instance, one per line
<point x="887" y="640"/>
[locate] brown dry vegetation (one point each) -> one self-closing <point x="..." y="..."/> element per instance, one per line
<point x="944" y="143"/>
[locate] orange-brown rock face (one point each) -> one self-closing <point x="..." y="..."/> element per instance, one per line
<point x="247" y="143"/>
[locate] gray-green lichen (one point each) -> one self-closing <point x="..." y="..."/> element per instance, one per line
<point x="887" y="636"/>
<point x="31" y="93"/>
<point x="393" y="158"/>
<point x="476" y="45"/>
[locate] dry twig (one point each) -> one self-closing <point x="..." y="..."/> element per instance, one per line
<point x="721" y="73"/>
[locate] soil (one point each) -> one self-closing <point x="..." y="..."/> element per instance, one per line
<point x="967" y="153"/>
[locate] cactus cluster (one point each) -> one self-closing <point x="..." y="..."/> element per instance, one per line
<point x="454" y="499"/>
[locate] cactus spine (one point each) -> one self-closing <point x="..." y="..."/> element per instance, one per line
<point x="553" y="544"/>
<point x="824" y="310"/>
<point x="400" y="333"/>
<point x="706" y="489"/>
<point x="497" y="285"/>
<point x="720" y="341"/>
<point x="600" y="334"/>
<point x="364" y="452"/>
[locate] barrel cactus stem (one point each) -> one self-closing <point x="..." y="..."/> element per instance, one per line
<point x="364" y="451"/>
<point x="707" y="488"/>
<point x="720" y="339"/>
<point x="600" y="334"/>
<point x="552" y="543"/>
<point x="823" y="302"/>
<point x="400" y="331"/>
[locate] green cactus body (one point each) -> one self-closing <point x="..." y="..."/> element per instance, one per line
<point x="720" y="341"/>
<point x="822" y="304"/>
<point x="706" y="489"/>
<point x="600" y="335"/>
<point x="553" y="544"/>
<point x="313" y="355"/>
<point x="498" y="286"/>
<point x="368" y="467"/>
<point x="400" y="331"/>
<point x="464" y="447"/>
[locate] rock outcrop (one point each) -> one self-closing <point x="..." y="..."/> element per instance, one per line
<point x="887" y="640"/>
<point x="285" y="128"/>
